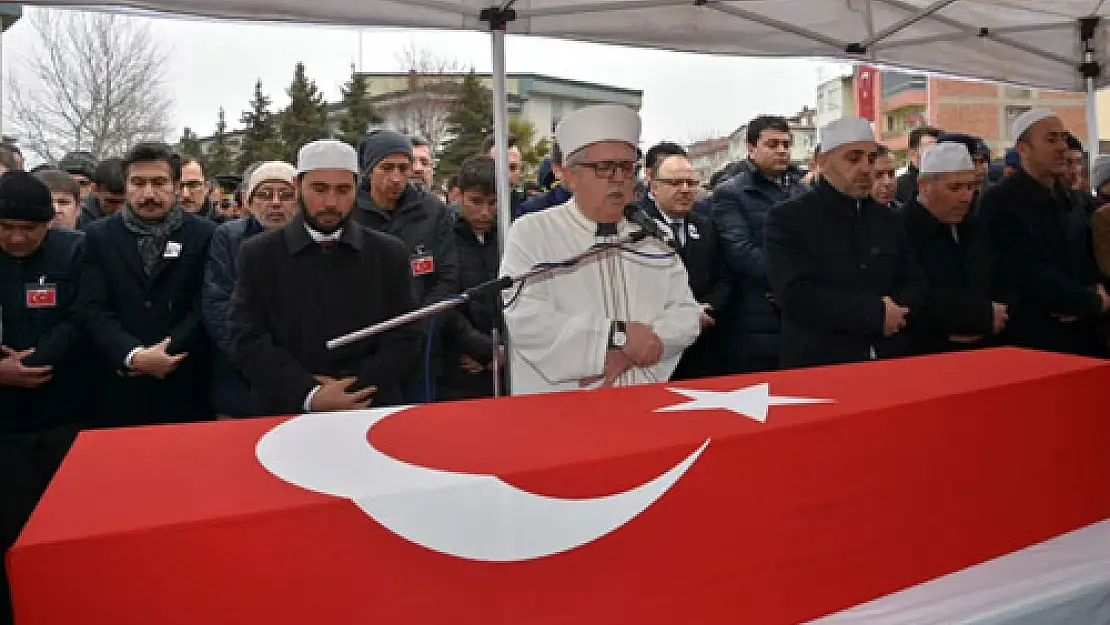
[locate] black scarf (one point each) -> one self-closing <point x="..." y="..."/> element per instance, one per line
<point x="152" y="237"/>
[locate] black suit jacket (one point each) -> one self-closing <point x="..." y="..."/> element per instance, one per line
<point x="963" y="280"/>
<point x="293" y="296"/>
<point x="122" y="309"/>
<point x="711" y="281"/>
<point x="831" y="260"/>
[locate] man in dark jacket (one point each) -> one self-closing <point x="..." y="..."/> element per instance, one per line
<point x="1044" y="241"/>
<point x="82" y="166"/>
<point x="140" y="299"/>
<point x="388" y="204"/>
<point x="108" y="195"/>
<point x="43" y="384"/>
<point x="556" y="195"/>
<point x="317" y="278"/>
<point x="673" y="187"/>
<point x="750" y="332"/>
<point x="884" y="183"/>
<point x="468" y="352"/>
<point x="839" y="264"/>
<point x="192" y="191"/>
<point x="271" y="198"/>
<point x="920" y="139"/>
<point x="980" y="158"/>
<point x="967" y="306"/>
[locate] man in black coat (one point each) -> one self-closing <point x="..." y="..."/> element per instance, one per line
<point x="919" y="140"/>
<point x="673" y="187"/>
<point x="388" y="203"/>
<point x="140" y="299"/>
<point x="839" y="264"/>
<point x="468" y="352"/>
<point x="750" y="331"/>
<point x="271" y="199"/>
<point x="1043" y="237"/>
<point x="966" y="306"/>
<point x="43" y="381"/>
<point x="319" y="277"/>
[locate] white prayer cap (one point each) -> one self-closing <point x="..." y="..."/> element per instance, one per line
<point x="844" y="131"/>
<point x="327" y="154"/>
<point x="271" y="171"/>
<point x="594" y="124"/>
<point x="946" y="157"/>
<point x="1027" y="119"/>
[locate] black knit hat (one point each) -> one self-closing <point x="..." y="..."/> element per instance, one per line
<point x="24" y="197"/>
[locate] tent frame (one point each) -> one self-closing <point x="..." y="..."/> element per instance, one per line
<point x="498" y="19"/>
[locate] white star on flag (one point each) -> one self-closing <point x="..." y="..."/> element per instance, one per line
<point x="753" y="401"/>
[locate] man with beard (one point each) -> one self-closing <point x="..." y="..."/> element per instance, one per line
<point x="966" y="306"/>
<point x="1043" y="237"/>
<point x="885" y="183"/>
<point x="839" y="264"/>
<point x="140" y="298"/>
<point x="109" y="193"/>
<point x="621" y="318"/>
<point x="192" y="191"/>
<point x="321" y="276"/>
<point x="388" y="203"/>
<point x="423" y="173"/>
<point x="271" y="198"/>
<point x="43" y="381"/>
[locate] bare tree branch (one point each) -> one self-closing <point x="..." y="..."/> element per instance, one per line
<point x="433" y="86"/>
<point x="93" y="81"/>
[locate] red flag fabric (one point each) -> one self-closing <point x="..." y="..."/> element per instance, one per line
<point x="795" y="508"/>
<point x="865" y="91"/>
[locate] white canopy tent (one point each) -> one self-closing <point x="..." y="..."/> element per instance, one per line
<point x="1050" y="44"/>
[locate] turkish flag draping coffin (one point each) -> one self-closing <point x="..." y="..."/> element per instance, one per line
<point x="583" y="508"/>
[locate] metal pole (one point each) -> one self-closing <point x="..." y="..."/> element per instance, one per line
<point x="501" y="134"/>
<point x="1092" y="122"/>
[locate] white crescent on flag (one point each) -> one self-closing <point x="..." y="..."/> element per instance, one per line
<point x="477" y="517"/>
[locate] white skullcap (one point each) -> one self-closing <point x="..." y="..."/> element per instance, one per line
<point x="327" y="154"/>
<point x="270" y="171"/>
<point x="594" y="124"/>
<point x="1027" y="119"/>
<point x="946" y="157"/>
<point x="844" y="131"/>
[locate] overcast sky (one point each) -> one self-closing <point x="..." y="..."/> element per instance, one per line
<point x="686" y="96"/>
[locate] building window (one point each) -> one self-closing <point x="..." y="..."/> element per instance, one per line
<point x="890" y="123"/>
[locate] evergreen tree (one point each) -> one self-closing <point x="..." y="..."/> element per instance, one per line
<point x="358" y="111"/>
<point x="306" y="118"/>
<point x="468" y="125"/>
<point x="189" y="144"/>
<point x="532" y="152"/>
<point x="260" y="132"/>
<point x="219" y="160"/>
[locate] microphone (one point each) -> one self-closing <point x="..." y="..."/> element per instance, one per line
<point x="636" y="215"/>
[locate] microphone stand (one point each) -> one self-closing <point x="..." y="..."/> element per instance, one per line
<point x="496" y="285"/>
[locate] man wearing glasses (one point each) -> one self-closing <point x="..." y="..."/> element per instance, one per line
<point x="140" y="298"/>
<point x="271" y="200"/>
<point x="673" y="188"/>
<point x="619" y="319"/>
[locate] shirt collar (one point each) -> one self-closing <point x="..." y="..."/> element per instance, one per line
<point x="299" y="235"/>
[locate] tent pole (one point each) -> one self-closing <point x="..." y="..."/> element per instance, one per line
<point x="498" y="19"/>
<point x="1090" y="70"/>
<point x="1092" y="122"/>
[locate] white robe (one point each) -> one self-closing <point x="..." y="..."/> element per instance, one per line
<point x="559" y="324"/>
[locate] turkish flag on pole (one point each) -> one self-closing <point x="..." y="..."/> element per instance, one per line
<point x="865" y="91"/>
<point x="770" y="499"/>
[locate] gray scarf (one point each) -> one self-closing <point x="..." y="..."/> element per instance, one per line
<point x="152" y="237"/>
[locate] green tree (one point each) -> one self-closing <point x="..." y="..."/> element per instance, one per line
<point x="218" y="159"/>
<point x="359" y="112"/>
<point x="190" y="144"/>
<point x="306" y="117"/>
<point x="260" y="132"/>
<point x="468" y="125"/>
<point x="532" y="152"/>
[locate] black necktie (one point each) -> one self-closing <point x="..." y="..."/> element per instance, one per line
<point x="676" y="228"/>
